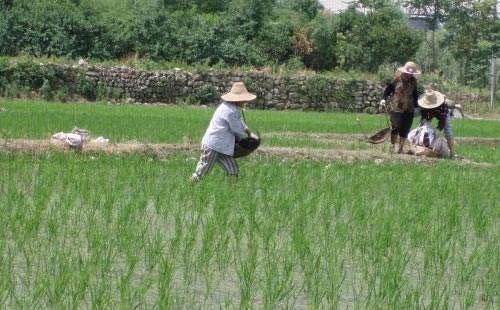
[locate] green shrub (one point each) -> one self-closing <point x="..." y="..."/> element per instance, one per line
<point x="321" y="89"/>
<point x="4" y="63"/>
<point x="46" y="90"/>
<point x="295" y="64"/>
<point x="85" y="88"/>
<point x="28" y="74"/>
<point x="239" y="51"/>
<point x="4" y="67"/>
<point x="104" y="92"/>
<point x="317" y="88"/>
<point x="100" y="92"/>
<point x="385" y="73"/>
<point x="62" y="94"/>
<point x="115" y="93"/>
<point x="323" y="37"/>
<point x="206" y="94"/>
<point x="363" y="42"/>
<point x="275" y="39"/>
<point x="14" y="90"/>
<point x="344" y="92"/>
<point x="250" y="84"/>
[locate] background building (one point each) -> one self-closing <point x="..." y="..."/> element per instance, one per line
<point x="335" y="5"/>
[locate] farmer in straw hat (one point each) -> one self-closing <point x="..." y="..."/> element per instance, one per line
<point x="433" y="105"/>
<point x="226" y="125"/>
<point x="403" y="95"/>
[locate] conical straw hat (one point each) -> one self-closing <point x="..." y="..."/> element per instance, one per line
<point x="431" y="99"/>
<point x="238" y="93"/>
<point x="410" y="68"/>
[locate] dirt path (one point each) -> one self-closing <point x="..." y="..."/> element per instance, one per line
<point x="375" y="153"/>
<point x="361" y="137"/>
<point x="484" y="117"/>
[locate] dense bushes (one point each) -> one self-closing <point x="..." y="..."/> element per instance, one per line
<point x="234" y="32"/>
<point x="253" y="32"/>
<point x="27" y="77"/>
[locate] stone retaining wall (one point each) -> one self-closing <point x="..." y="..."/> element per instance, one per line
<point x="314" y="92"/>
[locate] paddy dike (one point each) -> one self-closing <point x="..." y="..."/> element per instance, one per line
<point x="334" y="147"/>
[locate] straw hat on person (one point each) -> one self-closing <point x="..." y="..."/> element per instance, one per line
<point x="410" y="68"/>
<point x="238" y="93"/>
<point x="431" y="99"/>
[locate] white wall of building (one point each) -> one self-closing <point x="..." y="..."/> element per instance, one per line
<point x="335" y="5"/>
<point x="339" y="5"/>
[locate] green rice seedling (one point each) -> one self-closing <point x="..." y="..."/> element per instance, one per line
<point x="246" y="268"/>
<point x="309" y="253"/>
<point x="207" y="251"/>
<point x="131" y="231"/>
<point x="165" y="277"/>
<point x="278" y="265"/>
<point x="176" y="124"/>
<point x="7" y="284"/>
<point x="155" y="248"/>
<point x="126" y="277"/>
<point x="480" y="153"/>
<point x="81" y="282"/>
<point x="100" y="294"/>
<point x="188" y="252"/>
<point x="59" y="269"/>
<point x="335" y="274"/>
<point x="220" y="221"/>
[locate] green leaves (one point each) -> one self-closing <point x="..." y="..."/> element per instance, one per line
<point x="255" y="32"/>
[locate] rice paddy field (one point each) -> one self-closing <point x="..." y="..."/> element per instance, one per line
<point x="113" y="230"/>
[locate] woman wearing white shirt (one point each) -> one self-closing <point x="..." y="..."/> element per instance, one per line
<point x="217" y="144"/>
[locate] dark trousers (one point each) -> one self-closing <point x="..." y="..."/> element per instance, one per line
<point x="400" y="124"/>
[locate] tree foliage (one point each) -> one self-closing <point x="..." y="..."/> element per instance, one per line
<point x="372" y="39"/>
<point x="239" y="32"/>
<point x="309" y="8"/>
<point x="471" y="35"/>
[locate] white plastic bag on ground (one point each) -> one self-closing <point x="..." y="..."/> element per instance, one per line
<point x="59" y="137"/>
<point x="75" y="139"/>
<point x="423" y="135"/>
<point x="440" y="147"/>
<point x="100" y="141"/>
<point x="425" y="140"/>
